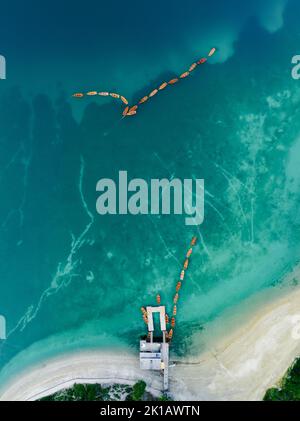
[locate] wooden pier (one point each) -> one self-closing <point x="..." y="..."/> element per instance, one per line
<point x="154" y="355"/>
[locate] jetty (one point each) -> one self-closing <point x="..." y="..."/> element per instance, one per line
<point x="154" y="351"/>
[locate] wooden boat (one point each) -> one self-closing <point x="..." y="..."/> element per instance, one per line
<point x="124" y="100"/>
<point x="144" y="99"/>
<point x="131" y="113"/>
<point x="186" y="264"/>
<point x="192" y="67"/>
<point x="125" y="112"/>
<point x="212" y="52"/>
<point x="178" y="286"/>
<point x="154" y="92"/>
<point x="190" y="251"/>
<point x="184" y="75"/>
<point x="193" y="241"/>
<point x="163" y="86"/>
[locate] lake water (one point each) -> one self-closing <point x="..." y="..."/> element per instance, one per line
<point x="75" y="279"/>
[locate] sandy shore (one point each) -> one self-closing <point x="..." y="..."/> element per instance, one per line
<point x="248" y="360"/>
<point x="239" y="366"/>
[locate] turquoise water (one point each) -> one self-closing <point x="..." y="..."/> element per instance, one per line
<point x="76" y="279"/>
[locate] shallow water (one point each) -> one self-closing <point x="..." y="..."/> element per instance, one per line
<point x="66" y="271"/>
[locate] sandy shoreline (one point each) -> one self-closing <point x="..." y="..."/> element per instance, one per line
<point x="239" y="366"/>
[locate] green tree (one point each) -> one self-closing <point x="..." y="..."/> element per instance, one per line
<point x="138" y="390"/>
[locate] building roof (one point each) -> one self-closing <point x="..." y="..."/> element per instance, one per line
<point x="150" y="361"/>
<point x="149" y="346"/>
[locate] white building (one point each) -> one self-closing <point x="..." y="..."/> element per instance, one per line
<point x="155" y="355"/>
